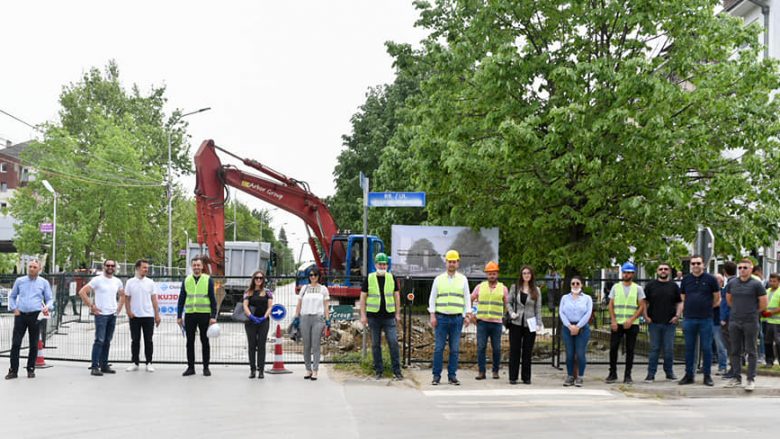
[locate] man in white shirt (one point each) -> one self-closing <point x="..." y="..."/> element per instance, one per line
<point x="106" y="288"/>
<point x="144" y="313"/>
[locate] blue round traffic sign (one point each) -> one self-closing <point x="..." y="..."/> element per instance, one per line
<point x="278" y="312"/>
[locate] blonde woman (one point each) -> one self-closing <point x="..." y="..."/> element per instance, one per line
<point x="258" y="301"/>
<point x="313" y="313"/>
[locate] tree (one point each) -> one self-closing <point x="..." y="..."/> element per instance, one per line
<point x="106" y="158"/>
<point x="422" y="253"/>
<point x="474" y="249"/>
<point x="586" y="130"/>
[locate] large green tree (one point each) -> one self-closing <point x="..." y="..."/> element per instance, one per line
<point x="106" y="157"/>
<point x="593" y="131"/>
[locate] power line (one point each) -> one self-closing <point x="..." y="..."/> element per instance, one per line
<point x="19" y="120"/>
<point x="90" y="179"/>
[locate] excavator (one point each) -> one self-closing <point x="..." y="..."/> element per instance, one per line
<point x="337" y="256"/>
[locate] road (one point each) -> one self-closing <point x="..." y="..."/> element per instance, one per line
<point x="65" y="402"/>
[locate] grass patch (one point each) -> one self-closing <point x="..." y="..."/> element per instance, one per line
<point x="355" y="363"/>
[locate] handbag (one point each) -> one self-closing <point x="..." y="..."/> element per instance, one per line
<point x="507" y="319"/>
<point x="238" y="312"/>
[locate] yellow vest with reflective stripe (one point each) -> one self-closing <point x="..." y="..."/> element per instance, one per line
<point x="373" y="300"/>
<point x="625" y="307"/>
<point x="449" y="297"/>
<point x="197" y="300"/>
<point x="774" y="302"/>
<point x="491" y="303"/>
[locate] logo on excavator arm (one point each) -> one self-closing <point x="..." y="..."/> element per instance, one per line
<point x="257" y="187"/>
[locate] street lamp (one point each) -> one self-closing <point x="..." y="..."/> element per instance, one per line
<point x="170" y="187"/>
<point x="48" y="187"/>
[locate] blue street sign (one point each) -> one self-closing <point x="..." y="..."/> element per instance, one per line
<point x="278" y="312"/>
<point x="396" y="199"/>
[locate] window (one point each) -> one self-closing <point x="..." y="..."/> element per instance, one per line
<point x="4" y="167"/>
<point x="3" y="187"/>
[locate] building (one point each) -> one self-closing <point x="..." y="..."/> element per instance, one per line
<point x="13" y="174"/>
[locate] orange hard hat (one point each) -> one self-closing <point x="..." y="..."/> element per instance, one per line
<point x="491" y="267"/>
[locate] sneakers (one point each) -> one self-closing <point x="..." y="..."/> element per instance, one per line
<point x="108" y="370"/>
<point x="708" y="381"/>
<point x="611" y="378"/>
<point x="11" y="375"/>
<point x="454" y="381"/>
<point x="189" y="372"/>
<point x="627" y="380"/>
<point x="95" y="372"/>
<point x="578" y="382"/>
<point x="649" y="379"/>
<point x="150" y="368"/>
<point x="569" y="381"/>
<point x="495" y="375"/>
<point x="687" y="379"/>
<point x="751" y="386"/>
<point x="436" y="380"/>
<point x="734" y="382"/>
<point x="132" y="368"/>
<point x="398" y="376"/>
<point x="480" y="376"/>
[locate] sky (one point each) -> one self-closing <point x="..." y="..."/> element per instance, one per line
<point x="283" y="78"/>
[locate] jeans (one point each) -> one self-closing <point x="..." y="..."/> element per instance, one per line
<point x="256" y="337"/>
<point x="448" y="328"/>
<point x="576" y="347"/>
<point x="661" y="336"/>
<point x="724" y="332"/>
<point x="720" y="344"/>
<point x="137" y="324"/>
<point x="312" y="326"/>
<point x="772" y="339"/>
<point x="197" y="322"/>
<point x="615" y="337"/>
<point x="25" y="323"/>
<point x="521" y="349"/>
<point x="391" y="334"/>
<point x="104" y="332"/>
<point x="744" y="336"/>
<point x="700" y="329"/>
<point x="493" y="331"/>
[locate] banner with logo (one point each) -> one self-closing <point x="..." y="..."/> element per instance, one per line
<point x="167" y="297"/>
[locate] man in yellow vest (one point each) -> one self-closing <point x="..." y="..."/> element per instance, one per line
<point x="770" y="318"/>
<point x="198" y="300"/>
<point x="380" y="309"/>
<point x="449" y="302"/>
<point x="491" y="297"/>
<point x="626" y="304"/>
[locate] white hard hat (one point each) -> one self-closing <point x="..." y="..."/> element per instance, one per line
<point x="213" y="331"/>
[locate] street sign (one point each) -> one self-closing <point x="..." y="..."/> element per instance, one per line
<point x="705" y="244"/>
<point x="278" y="312"/>
<point x="47" y="227"/>
<point x="182" y="252"/>
<point x="396" y="199"/>
<point x="342" y="312"/>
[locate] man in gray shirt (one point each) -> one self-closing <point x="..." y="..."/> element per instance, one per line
<point x="747" y="298"/>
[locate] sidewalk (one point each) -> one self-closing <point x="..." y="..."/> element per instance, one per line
<point x="545" y="376"/>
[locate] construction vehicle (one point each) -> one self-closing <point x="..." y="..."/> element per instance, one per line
<point x="338" y="256"/>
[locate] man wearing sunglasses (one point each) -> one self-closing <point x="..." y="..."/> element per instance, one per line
<point x="747" y="298"/>
<point x="700" y="294"/>
<point x="662" y="312"/>
<point x="106" y="288"/>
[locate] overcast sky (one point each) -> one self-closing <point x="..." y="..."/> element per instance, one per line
<point x="283" y="78"/>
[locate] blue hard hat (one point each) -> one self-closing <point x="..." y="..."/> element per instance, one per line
<point x="628" y="267"/>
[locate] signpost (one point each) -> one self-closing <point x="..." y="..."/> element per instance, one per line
<point x="396" y="199"/>
<point x="47" y="227"/>
<point x="705" y="244"/>
<point x="278" y="312"/>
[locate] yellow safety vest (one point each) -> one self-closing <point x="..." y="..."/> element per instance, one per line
<point x="197" y="295"/>
<point x="449" y="297"/>
<point x="774" y="302"/>
<point x="625" y="307"/>
<point x="491" y="303"/>
<point x="373" y="300"/>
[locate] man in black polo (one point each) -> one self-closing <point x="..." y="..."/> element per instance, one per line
<point x="662" y="313"/>
<point x="700" y="294"/>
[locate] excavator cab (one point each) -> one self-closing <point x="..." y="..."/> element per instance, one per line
<point x="344" y="268"/>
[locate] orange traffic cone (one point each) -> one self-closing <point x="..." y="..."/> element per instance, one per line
<point x="40" y="361"/>
<point x="278" y="355"/>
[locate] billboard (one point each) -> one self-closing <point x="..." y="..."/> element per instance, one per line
<point x="167" y="297"/>
<point x="419" y="250"/>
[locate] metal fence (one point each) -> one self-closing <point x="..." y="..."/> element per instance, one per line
<point x="69" y="334"/>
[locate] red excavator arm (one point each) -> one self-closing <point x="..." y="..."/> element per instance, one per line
<point x="211" y="178"/>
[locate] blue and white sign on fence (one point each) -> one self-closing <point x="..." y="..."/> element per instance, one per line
<point x="396" y="199"/>
<point x="278" y="312"/>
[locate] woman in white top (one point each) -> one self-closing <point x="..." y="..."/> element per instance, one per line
<point x="313" y="313"/>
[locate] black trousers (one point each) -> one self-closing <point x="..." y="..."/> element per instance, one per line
<point x="615" y="338"/>
<point x="137" y="324"/>
<point x="256" y="336"/>
<point x="25" y="322"/>
<point x="521" y="348"/>
<point x="197" y="322"/>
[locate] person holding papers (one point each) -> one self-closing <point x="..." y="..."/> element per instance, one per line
<point x="525" y="315"/>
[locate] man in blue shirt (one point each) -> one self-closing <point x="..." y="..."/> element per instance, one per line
<point x="30" y="296"/>
<point x="700" y="294"/>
